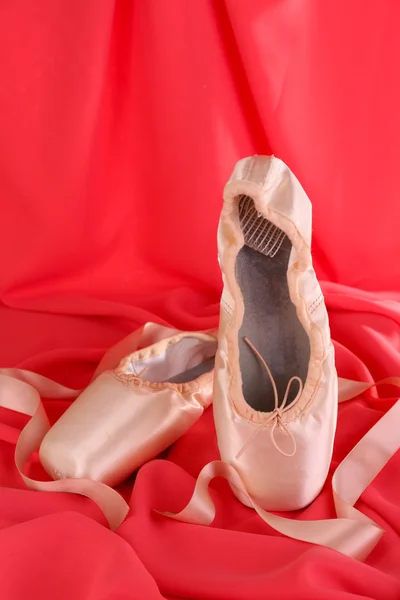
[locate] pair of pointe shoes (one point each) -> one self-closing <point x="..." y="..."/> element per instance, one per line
<point x="269" y="371"/>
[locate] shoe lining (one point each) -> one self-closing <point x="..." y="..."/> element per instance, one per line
<point x="270" y="320"/>
<point x="194" y="372"/>
<point x="181" y="362"/>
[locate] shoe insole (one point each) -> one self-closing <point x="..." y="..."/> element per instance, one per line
<point x="271" y="324"/>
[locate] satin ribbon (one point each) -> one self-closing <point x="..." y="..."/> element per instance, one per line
<point x="21" y="391"/>
<point x="352" y="533"/>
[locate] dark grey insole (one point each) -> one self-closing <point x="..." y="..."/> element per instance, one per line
<point x="194" y="372"/>
<point x="271" y="324"/>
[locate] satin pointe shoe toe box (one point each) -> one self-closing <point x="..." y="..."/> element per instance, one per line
<point x="130" y="415"/>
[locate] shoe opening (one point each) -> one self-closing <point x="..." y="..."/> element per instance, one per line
<point x="270" y="320"/>
<point x="180" y="362"/>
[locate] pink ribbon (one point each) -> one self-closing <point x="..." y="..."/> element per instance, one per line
<point x="22" y="390"/>
<point x="351" y="533"/>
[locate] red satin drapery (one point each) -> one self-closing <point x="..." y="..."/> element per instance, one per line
<point x="119" y="123"/>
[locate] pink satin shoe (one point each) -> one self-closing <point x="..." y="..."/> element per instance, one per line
<point x="129" y="415"/>
<point x="275" y="385"/>
<point x="275" y="388"/>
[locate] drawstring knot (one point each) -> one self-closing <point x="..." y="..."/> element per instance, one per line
<point x="133" y="380"/>
<point x="276" y="416"/>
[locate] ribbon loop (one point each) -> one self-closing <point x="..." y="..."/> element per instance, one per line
<point x="278" y="422"/>
<point x="352" y="532"/>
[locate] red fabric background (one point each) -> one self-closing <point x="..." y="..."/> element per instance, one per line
<point x="119" y="124"/>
